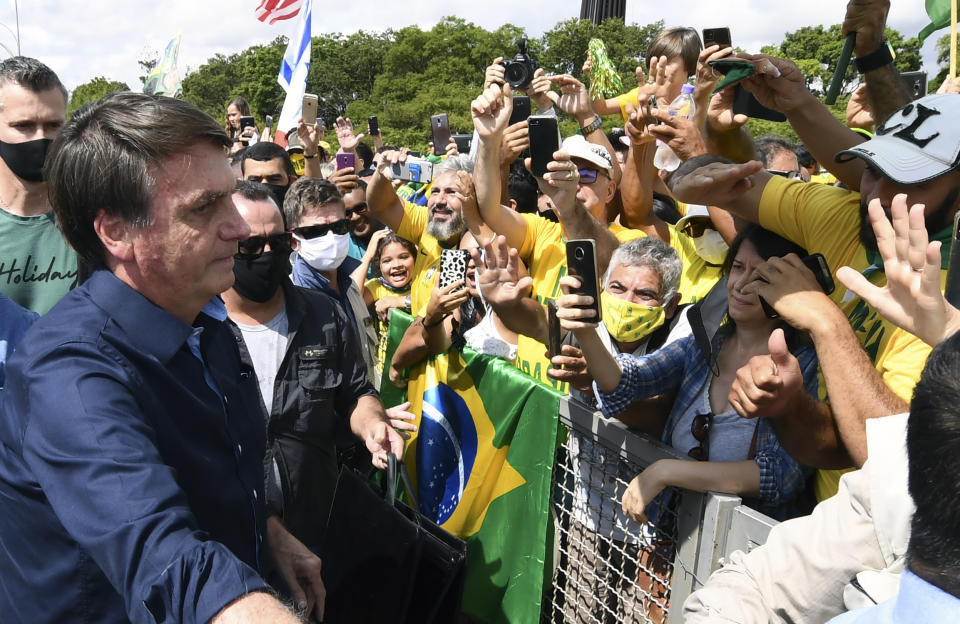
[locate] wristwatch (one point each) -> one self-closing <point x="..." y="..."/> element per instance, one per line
<point x="593" y="125"/>
<point x="875" y="60"/>
<point x="314" y="155"/>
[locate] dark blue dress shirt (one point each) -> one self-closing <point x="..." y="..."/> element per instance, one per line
<point x="129" y="488"/>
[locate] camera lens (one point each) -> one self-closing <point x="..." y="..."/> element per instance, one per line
<point x="517" y="75"/>
<point x="578" y="253"/>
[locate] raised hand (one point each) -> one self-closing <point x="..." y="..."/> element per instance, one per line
<point x="491" y="111"/>
<point x="498" y="273"/>
<point x="767" y="384"/>
<point x="345" y="135"/>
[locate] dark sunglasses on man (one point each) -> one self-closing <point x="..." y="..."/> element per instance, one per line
<point x="588" y="176"/>
<point x="695" y="227"/>
<point x="253" y="246"/>
<point x="307" y="232"/>
<point x="790" y="175"/>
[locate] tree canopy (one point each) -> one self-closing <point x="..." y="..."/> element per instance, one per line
<point x="93" y="91"/>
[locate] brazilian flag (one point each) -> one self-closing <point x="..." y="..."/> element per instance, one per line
<point x="482" y="461"/>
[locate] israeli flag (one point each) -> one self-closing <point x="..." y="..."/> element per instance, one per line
<point x="293" y="71"/>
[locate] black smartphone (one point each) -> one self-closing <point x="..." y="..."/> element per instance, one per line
<point x="582" y="263"/>
<point x="521" y="109"/>
<point x="544" y="141"/>
<point x="247" y="121"/>
<point x="821" y="270"/>
<point x="463" y="142"/>
<point x="453" y="268"/>
<point x="745" y="104"/>
<point x="717" y="36"/>
<point x="952" y="291"/>
<point x="440" y="124"/>
<point x="374" y="125"/>
<point x="553" y="329"/>
<point x="915" y="82"/>
<point x="413" y="153"/>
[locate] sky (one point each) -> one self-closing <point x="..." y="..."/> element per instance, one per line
<point x="82" y="40"/>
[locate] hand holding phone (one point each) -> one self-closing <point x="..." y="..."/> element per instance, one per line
<point x="346" y="160"/>
<point x="310" y="102"/>
<point x="440" y="124"/>
<point x="821" y="271"/>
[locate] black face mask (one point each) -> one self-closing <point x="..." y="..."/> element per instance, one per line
<point x="259" y="278"/>
<point x="279" y="193"/>
<point x="26" y="159"/>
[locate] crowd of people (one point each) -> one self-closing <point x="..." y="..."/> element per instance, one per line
<point x="194" y="321"/>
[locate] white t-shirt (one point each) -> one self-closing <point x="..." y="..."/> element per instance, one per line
<point x="266" y="344"/>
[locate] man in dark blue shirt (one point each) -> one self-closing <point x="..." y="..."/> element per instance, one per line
<point x="131" y="468"/>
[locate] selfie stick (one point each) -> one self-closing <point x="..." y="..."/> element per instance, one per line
<point x="841" y="70"/>
<point x="952" y="291"/>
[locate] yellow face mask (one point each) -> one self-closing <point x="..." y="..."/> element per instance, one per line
<point x="629" y="322"/>
<point x="298" y="164"/>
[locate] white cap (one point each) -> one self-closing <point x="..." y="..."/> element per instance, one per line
<point x="918" y="143"/>
<point x="579" y="147"/>
<point x="694" y="211"/>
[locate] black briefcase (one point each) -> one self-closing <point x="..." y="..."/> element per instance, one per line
<point x="383" y="561"/>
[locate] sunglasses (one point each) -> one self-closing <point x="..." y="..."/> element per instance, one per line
<point x="307" y="232"/>
<point x="253" y="246"/>
<point x="696" y="227"/>
<point x="700" y="428"/>
<point x="790" y="175"/>
<point x="358" y="209"/>
<point x="588" y="176"/>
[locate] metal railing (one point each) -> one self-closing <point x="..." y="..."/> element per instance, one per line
<point x="608" y="568"/>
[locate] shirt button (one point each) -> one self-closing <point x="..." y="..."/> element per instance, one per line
<point x="239" y="449"/>
<point x="225" y="401"/>
<point x="255" y="497"/>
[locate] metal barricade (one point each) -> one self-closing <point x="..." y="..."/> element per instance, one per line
<point x="607" y="568"/>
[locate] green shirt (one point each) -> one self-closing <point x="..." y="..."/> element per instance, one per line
<point x="37" y="267"/>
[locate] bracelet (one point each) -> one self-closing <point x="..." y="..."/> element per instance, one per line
<point x="407" y="302"/>
<point x="305" y="155"/>
<point x="593" y="125"/>
<point x="875" y="60"/>
<point x="434" y="324"/>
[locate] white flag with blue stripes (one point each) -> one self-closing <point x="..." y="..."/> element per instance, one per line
<point x="293" y="70"/>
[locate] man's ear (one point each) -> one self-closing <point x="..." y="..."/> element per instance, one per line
<point x="114" y="235"/>
<point x="671" y="307"/>
<point x="611" y="191"/>
<point x="513" y="204"/>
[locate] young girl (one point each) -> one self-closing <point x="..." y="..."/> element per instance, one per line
<point x="237" y="108"/>
<point x="393" y="258"/>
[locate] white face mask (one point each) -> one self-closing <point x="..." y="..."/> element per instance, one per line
<point x="711" y="246"/>
<point x="324" y="253"/>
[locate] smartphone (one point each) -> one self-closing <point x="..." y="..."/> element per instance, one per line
<point x="440" y="125"/>
<point x="310" y="108"/>
<point x="582" y="263"/>
<point x="745" y="104"/>
<point x="247" y="121"/>
<point x="413" y="170"/>
<point x="453" y="268"/>
<point x="544" y="141"/>
<point x="346" y="160"/>
<point x="717" y="36"/>
<point x="915" y="82"/>
<point x="821" y="270"/>
<point x="649" y="119"/>
<point x="374" y="125"/>
<point x="553" y="329"/>
<point x="521" y="109"/>
<point x="413" y="153"/>
<point x="463" y="142"/>
<point x="268" y="122"/>
<point x="952" y="291"/>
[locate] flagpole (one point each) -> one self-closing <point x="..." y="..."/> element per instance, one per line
<point x="953" y="39"/>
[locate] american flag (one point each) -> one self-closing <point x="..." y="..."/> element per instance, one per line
<point x="274" y="10"/>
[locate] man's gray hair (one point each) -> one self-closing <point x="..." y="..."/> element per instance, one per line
<point x="460" y="162"/>
<point x="30" y="74"/>
<point x="655" y="254"/>
<point x="104" y="158"/>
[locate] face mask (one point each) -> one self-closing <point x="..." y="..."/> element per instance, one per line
<point x="711" y="246"/>
<point x="629" y="322"/>
<point x="279" y="193"/>
<point x="258" y="279"/>
<point x="324" y="253"/>
<point x="26" y="159"/>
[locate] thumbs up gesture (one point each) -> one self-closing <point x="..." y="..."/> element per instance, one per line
<point x="766" y="385"/>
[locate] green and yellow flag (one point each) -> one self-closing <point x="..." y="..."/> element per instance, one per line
<point x="164" y="79"/>
<point x="482" y="461"/>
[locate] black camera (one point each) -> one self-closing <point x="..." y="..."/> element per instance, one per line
<point x="519" y="70"/>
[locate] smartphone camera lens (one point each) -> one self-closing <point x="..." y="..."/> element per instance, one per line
<point x="578" y="253"/>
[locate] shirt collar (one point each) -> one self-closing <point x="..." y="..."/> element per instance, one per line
<point x="919" y="602"/>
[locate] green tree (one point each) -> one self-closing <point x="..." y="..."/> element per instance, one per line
<point x="942" y="49"/>
<point x="93" y="91"/>
<point x="815" y="50"/>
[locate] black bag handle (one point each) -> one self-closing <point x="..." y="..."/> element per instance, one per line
<point x="392" y="463"/>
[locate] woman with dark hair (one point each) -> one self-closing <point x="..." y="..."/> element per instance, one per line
<point x="735" y="455"/>
<point x="238" y="107"/>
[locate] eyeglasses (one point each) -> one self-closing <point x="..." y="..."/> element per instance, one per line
<point x="790" y="175"/>
<point x="253" y="246"/>
<point x="307" y="232"/>
<point x="695" y="227"/>
<point x="588" y="176"/>
<point x="700" y="428"/>
<point x="358" y="209"/>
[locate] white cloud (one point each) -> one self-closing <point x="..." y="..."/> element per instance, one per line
<point x="81" y="40"/>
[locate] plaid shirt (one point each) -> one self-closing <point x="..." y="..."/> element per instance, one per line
<point x="682" y="368"/>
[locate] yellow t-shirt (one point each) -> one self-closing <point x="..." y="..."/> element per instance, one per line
<point x="379" y="291"/>
<point x="826" y="219"/>
<point x="630" y="97"/>
<point x="697" y="277"/>
<point x="413" y="227"/>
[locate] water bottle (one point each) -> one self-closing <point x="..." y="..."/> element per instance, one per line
<point x="682" y="106"/>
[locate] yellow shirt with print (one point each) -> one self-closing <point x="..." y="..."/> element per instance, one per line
<point x="826" y="219"/>
<point x="413" y="227"/>
<point x="697" y="277"/>
<point x="378" y="291"/>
